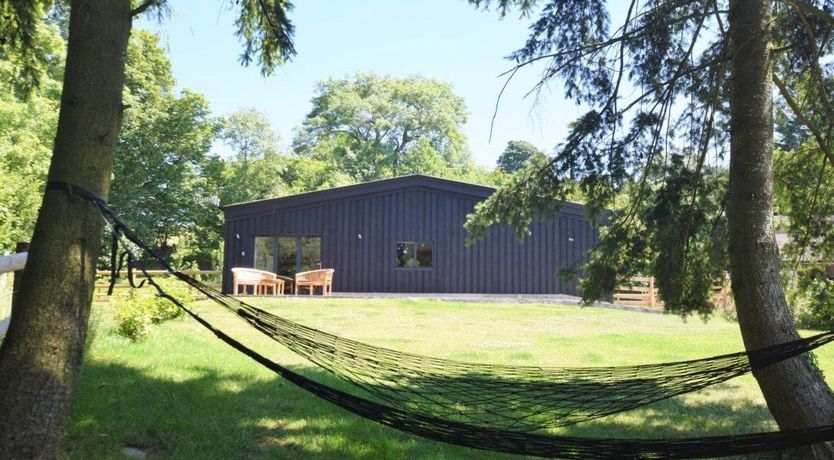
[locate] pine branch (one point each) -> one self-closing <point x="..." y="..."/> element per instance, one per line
<point x="142" y="8"/>
<point x="800" y="115"/>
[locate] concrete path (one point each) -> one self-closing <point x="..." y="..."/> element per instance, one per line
<point x="4" y="326"/>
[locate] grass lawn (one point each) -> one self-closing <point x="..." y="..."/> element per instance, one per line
<point x="181" y="393"/>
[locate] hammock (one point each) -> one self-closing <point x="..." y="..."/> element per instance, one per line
<point x="502" y="408"/>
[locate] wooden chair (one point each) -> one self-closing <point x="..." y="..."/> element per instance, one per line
<point x="315" y="278"/>
<point x="260" y="280"/>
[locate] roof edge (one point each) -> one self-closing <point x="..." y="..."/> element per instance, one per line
<point x="269" y="205"/>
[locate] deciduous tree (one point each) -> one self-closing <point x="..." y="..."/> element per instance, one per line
<point x="373" y="127"/>
<point x="161" y="151"/>
<point x="516" y="154"/>
<point x="254" y="170"/>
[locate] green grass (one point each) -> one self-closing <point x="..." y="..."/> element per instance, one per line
<point x="181" y="393"/>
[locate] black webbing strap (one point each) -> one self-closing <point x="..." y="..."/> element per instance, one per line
<point x="56" y="185"/>
<point x="115" y="266"/>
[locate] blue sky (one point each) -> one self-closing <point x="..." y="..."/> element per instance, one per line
<point x="448" y="40"/>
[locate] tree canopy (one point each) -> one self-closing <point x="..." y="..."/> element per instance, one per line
<point x="28" y="118"/>
<point x="373" y="127"/>
<point x="162" y="147"/>
<point x="516" y="154"/>
<point x="253" y="172"/>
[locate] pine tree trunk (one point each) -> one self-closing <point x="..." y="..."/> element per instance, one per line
<point x="41" y="354"/>
<point x="796" y="394"/>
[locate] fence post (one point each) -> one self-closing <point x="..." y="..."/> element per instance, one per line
<point x="18" y="275"/>
<point x="651" y="292"/>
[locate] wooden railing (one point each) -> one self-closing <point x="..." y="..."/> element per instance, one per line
<point x="103" y="281"/>
<point x="9" y="264"/>
<point x="640" y="291"/>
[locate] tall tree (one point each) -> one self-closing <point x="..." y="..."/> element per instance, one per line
<point x="516" y="154"/>
<point x="373" y="127"/>
<point x="41" y="354"/>
<point x="673" y="82"/>
<point x="161" y="149"/>
<point x="254" y="170"/>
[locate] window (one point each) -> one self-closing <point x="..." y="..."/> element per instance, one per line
<point x="264" y="253"/>
<point x="287" y="255"/>
<point x="310" y="249"/>
<point x="414" y="255"/>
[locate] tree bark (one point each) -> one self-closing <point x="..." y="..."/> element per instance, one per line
<point x="795" y="392"/>
<point x="42" y="352"/>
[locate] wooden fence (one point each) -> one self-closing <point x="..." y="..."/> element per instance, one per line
<point x="640" y="291"/>
<point x="10" y="264"/>
<point x="103" y="281"/>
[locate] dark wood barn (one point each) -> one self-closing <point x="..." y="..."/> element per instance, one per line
<point x="403" y="235"/>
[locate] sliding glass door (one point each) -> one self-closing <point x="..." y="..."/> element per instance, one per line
<point x="287" y="255"/>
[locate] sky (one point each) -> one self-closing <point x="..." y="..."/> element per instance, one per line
<point x="447" y="40"/>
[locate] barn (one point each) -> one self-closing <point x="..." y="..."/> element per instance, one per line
<point x="403" y="235"/>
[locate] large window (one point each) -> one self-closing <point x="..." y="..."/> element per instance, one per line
<point x="287" y="255"/>
<point x="414" y="255"/>
<point x="264" y="253"/>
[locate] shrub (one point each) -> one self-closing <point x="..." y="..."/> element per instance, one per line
<point x="140" y="308"/>
<point x="133" y="313"/>
<point x="164" y="309"/>
<point x="813" y="300"/>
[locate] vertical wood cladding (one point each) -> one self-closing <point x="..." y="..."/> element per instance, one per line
<point x="360" y="226"/>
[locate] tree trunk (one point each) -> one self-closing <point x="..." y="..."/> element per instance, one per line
<point x="795" y="392"/>
<point x="41" y="355"/>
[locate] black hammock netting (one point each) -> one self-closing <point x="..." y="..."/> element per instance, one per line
<point x="495" y="407"/>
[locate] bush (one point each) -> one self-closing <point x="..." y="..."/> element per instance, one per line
<point x="813" y="300"/>
<point x="140" y="308"/>
<point x="164" y="308"/>
<point x="133" y="313"/>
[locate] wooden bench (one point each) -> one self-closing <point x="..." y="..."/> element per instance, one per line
<point x="315" y="278"/>
<point x="261" y="281"/>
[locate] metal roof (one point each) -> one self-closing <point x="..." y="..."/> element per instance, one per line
<point x="381" y="186"/>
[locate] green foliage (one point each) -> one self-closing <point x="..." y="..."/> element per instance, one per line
<point x="139" y="309"/>
<point x="686" y="230"/>
<point x="22" y="32"/>
<point x="266" y="32"/>
<point x="812" y="298"/>
<point x="249" y="134"/>
<point x="133" y="315"/>
<point x="372" y="127"/>
<point x="255" y="170"/>
<point x="304" y="174"/>
<point x="676" y="234"/>
<point x="644" y="154"/>
<point x="516" y="155"/>
<point x="803" y="190"/>
<point x="158" y="170"/>
<point x="27" y="126"/>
